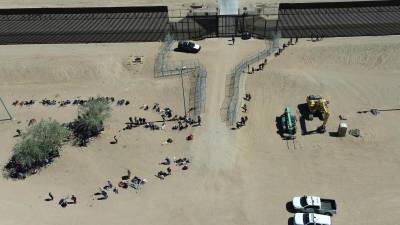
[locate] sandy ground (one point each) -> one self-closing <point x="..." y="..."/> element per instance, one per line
<point x="241" y="176"/>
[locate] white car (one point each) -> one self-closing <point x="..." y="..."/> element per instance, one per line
<point x="311" y="219"/>
<point x="304" y="201"/>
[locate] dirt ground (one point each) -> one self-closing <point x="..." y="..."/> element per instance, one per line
<point x="243" y="176"/>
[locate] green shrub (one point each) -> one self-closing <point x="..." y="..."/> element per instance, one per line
<point x="91" y="116"/>
<point x="37" y="147"/>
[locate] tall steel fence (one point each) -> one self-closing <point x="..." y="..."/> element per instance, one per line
<point x="233" y="83"/>
<point x="161" y="63"/>
<point x="165" y="68"/>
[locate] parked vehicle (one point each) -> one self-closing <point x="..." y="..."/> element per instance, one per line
<point x="311" y="219"/>
<point x="188" y="46"/>
<point x="314" y="204"/>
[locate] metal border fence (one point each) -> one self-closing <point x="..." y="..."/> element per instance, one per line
<point x="164" y="68"/>
<point x="232" y="97"/>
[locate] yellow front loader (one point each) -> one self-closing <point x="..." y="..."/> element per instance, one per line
<point x="318" y="106"/>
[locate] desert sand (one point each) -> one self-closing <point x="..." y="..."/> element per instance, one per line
<point x="243" y="176"/>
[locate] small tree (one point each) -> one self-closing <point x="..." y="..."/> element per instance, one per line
<point x="91" y="116"/>
<point x="38" y="146"/>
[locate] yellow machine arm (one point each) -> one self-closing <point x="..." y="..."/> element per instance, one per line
<point x="326" y="114"/>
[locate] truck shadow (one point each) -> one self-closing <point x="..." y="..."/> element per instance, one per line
<point x="279" y="127"/>
<point x="303" y="115"/>
<point x="289" y="207"/>
<point x="290" y="221"/>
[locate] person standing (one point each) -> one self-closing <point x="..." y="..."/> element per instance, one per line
<point x="73" y="198"/>
<point x="233" y="40"/>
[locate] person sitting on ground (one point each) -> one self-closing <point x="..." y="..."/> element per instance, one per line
<point x="123" y="184"/>
<point x="161" y="175"/>
<point x="104" y="195"/>
<point x="243" y="121"/>
<point x="163" y="126"/>
<point x="19" y="133"/>
<point x="115" y="190"/>
<point x="63" y="202"/>
<point x="128" y="176"/>
<point x="244" y="108"/>
<point x="166" y="162"/>
<point x="155" y="106"/>
<point x="168" y="141"/>
<point x="108" y="185"/>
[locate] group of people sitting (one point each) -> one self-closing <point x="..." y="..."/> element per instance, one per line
<point x="134" y="122"/>
<point x="134" y="183"/>
<point x="181" y="162"/>
<point x="166" y="115"/>
<point x="247" y="97"/>
<point x="125" y="182"/>
<point x="102" y="194"/>
<point x="64" y="202"/>
<point x="49" y="102"/>
<point x="243" y="119"/>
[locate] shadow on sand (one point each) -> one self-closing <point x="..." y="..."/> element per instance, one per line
<point x="289" y="207"/>
<point x="290" y="221"/>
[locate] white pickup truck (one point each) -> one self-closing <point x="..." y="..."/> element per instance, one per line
<point x="311" y="219"/>
<point x="314" y="204"/>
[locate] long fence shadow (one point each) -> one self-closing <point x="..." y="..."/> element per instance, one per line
<point x="6" y="110"/>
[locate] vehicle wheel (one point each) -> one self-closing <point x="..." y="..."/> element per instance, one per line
<point x="322" y="116"/>
<point x="321" y="130"/>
